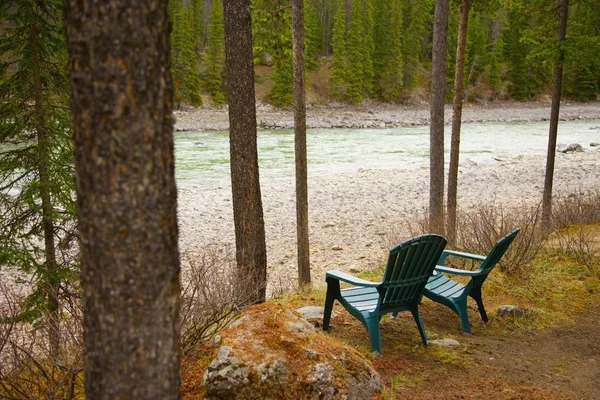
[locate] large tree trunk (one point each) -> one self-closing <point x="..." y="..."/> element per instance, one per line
<point x="436" y="110"/>
<point x="300" y="144"/>
<point x="457" y="106"/>
<point x="251" y="251"/>
<point x="556" y="93"/>
<point x="121" y="94"/>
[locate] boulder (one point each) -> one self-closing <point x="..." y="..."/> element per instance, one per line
<point x="594" y="144"/>
<point x="510" y="310"/>
<point x="572" y="148"/>
<point x="445" y="342"/>
<point x="273" y="353"/>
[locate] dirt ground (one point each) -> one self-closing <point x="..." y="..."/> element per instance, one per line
<point x="557" y="363"/>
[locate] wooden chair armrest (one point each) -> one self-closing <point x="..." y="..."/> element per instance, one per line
<point x="344" y="277"/>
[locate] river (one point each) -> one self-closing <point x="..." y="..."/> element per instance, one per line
<point x="202" y="158"/>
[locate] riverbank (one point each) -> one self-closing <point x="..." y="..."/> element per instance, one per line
<point x="378" y="115"/>
<point x="352" y="214"/>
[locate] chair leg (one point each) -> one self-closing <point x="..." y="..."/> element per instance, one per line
<point x="333" y="291"/>
<point x="372" y="325"/>
<point x="476" y="294"/>
<point x="417" y="317"/>
<point x="461" y="310"/>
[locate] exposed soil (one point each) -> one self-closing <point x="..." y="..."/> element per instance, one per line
<point x="557" y="363"/>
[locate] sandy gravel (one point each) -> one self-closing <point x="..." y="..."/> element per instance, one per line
<point x="375" y="115"/>
<point x="351" y="214"/>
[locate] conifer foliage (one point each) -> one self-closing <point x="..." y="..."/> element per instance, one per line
<point x="36" y="154"/>
<point x="381" y="49"/>
<point x="185" y="59"/>
<point x="215" y="53"/>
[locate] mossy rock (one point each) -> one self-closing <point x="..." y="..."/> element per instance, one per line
<point x="270" y="352"/>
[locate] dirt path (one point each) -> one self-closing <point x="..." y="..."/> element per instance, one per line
<point x="559" y="363"/>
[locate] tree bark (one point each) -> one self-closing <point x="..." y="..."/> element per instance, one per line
<point x="456" y="121"/>
<point x="251" y="251"/>
<point x="436" y="110"/>
<point x="300" y="144"/>
<point x="554" y="113"/>
<point x="121" y="95"/>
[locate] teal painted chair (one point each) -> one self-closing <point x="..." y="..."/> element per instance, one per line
<point x="452" y="294"/>
<point x="409" y="265"/>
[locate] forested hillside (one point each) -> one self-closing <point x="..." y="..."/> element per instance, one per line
<point x="381" y="49"/>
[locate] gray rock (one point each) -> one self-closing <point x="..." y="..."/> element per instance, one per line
<point x="311" y="312"/>
<point x="572" y="148"/>
<point x="337" y="248"/>
<point x="311" y="354"/>
<point x="275" y="371"/>
<point x="322" y="380"/>
<point x="508" y="309"/>
<point x="225" y="374"/>
<point x="255" y="364"/>
<point x="594" y="144"/>
<point x="445" y="342"/>
<point x="301" y="327"/>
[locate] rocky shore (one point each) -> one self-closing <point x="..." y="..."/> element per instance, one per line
<point x="352" y="214"/>
<point x="376" y="115"/>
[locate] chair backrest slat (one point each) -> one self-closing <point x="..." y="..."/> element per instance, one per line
<point x="409" y="266"/>
<point x="494" y="256"/>
<point x="498" y="250"/>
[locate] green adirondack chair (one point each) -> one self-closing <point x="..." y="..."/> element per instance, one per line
<point x="409" y="265"/>
<point x="452" y="294"/>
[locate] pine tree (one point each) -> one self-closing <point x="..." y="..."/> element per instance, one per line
<point x="337" y="76"/>
<point x="215" y="53"/>
<point x="197" y="15"/>
<point x="418" y="17"/>
<point x="272" y="34"/>
<point x="121" y="93"/>
<point x="582" y="67"/>
<point x="356" y="67"/>
<point x="387" y="55"/>
<point x="36" y="155"/>
<point x="311" y="37"/>
<point x="184" y="64"/>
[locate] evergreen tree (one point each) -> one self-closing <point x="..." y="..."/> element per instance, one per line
<point x="418" y="20"/>
<point x="337" y="75"/>
<point x="184" y="60"/>
<point x="311" y="37"/>
<point x="197" y="15"/>
<point x="527" y="49"/>
<point x="582" y="66"/>
<point x="272" y="34"/>
<point x="215" y="53"/>
<point x="356" y="67"/>
<point x="387" y="55"/>
<point x="36" y="154"/>
<point x="121" y="93"/>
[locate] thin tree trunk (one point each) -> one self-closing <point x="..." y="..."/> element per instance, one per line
<point x="436" y="109"/>
<point x="51" y="270"/>
<point x="456" y="121"/>
<point x="300" y="144"/>
<point x="121" y="98"/>
<point x="251" y="250"/>
<point x="554" y="113"/>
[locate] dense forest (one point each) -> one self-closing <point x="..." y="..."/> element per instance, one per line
<point x="381" y="49"/>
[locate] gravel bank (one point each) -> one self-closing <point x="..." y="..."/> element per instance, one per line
<point x="373" y="115"/>
<point x="351" y="214"/>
